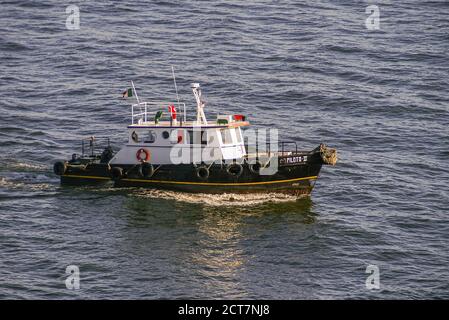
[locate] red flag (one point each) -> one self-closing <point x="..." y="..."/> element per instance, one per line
<point x="172" y="111"/>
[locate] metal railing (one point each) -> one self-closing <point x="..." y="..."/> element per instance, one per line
<point x="146" y="111"/>
<point x="93" y="146"/>
<point x="268" y="150"/>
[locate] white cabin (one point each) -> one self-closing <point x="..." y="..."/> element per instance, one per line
<point x="159" y="134"/>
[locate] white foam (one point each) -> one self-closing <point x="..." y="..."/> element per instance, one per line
<point x="226" y="199"/>
<point x="6" y="183"/>
<point x="14" y="164"/>
<point x="13" y="184"/>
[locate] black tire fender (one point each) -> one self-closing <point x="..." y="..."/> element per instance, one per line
<point x="202" y="172"/>
<point x="116" y="173"/>
<point x="235" y="169"/>
<point x="59" y="168"/>
<point x="146" y="170"/>
<point x="255" y="167"/>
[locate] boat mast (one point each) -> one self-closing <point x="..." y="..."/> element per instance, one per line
<point x="135" y="92"/>
<point x="177" y="95"/>
<point x="200" y="116"/>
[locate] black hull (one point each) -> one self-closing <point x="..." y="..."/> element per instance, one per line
<point x="297" y="180"/>
<point x="296" y="174"/>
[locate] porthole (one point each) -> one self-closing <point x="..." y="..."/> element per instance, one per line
<point x="165" y="135"/>
<point x="135" y="137"/>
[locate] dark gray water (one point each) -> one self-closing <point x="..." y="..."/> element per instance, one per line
<point x="309" y="68"/>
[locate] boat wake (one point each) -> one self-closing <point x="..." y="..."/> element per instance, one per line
<point x="225" y="199"/>
<point x="14" y="184"/>
<point x="13" y="165"/>
<point x="24" y="175"/>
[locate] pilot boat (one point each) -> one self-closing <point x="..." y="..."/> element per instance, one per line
<point x="165" y="150"/>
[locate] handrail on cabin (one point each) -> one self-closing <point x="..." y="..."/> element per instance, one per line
<point x="144" y="114"/>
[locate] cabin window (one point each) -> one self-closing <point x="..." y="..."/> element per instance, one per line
<point x="238" y="134"/>
<point x="135" y="137"/>
<point x="226" y="136"/>
<point x="198" y="137"/>
<point x="151" y="137"/>
<point x="203" y="137"/>
<point x="165" y="134"/>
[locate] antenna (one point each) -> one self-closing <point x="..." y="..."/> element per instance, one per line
<point x="176" y="89"/>
<point x="135" y="92"/>
<point x="137" y="98"/>
<point x="200" y="116"/>
<point x="174" y="80"/>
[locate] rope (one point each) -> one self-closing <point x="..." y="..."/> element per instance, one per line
<point x="328" y="155"/>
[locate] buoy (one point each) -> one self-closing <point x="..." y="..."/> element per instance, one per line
<point x="142" y="155"/>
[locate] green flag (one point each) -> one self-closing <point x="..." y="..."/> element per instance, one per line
<point x="128" y="93"/>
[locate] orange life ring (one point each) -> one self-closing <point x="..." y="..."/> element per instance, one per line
<point x="142" y="155"/>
